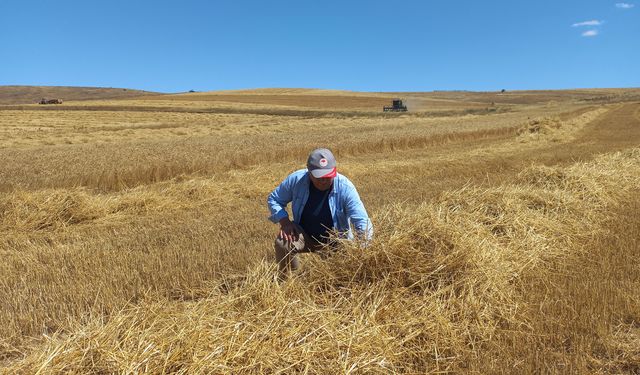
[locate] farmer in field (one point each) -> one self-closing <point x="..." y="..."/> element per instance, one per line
<point x="323" y="201"/>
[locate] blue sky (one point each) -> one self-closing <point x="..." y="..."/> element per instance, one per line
<point x="173" y="46"/>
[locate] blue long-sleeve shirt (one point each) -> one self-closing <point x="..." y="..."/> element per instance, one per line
<point x="345" y="204"/>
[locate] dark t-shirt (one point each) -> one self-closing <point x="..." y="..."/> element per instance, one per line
<point x="316" y="217"/>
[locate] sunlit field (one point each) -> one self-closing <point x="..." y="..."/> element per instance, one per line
<point x="134" y="234"/>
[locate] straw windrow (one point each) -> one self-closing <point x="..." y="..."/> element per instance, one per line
<point x="435" y="288"/>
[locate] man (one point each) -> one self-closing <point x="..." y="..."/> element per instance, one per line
<point x="323" y="201"/>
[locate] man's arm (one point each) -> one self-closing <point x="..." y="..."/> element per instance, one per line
<point x="354" y="209"/>
<point x="278" y="200"/>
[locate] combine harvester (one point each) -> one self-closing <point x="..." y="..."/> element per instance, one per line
<point x="50" y="101"/>
<point x="397" y="106"/>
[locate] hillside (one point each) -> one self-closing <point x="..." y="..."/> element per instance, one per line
<point x="459" y="102"/>
<point x="268" y="100"/>
<point x="32" y="94"/>
<point x="606" y="95"/>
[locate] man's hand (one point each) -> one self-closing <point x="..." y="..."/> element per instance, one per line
<point x="288" y="230"/>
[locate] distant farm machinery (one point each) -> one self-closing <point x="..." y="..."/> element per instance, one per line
<point x="396" y="106"/>
<point x="50" y="101"/>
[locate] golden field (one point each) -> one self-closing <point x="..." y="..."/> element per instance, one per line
<point x="135" y="239"/>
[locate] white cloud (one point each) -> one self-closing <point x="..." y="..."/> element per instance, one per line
<point x="590" y="33"/>
<point x="625" y="5"/>
<point x="588" y="23"/>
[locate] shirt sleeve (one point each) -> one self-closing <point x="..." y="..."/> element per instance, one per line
<point x="354" y="209"/>
<point x="279" y="198"/>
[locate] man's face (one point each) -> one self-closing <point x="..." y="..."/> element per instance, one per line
<point x="321" y="184"/>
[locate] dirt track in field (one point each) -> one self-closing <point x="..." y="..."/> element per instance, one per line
<point x="304" y="101"/>
<point x="615" y="130"/>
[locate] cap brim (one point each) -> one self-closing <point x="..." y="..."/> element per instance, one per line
<point x="324" y="173"/>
